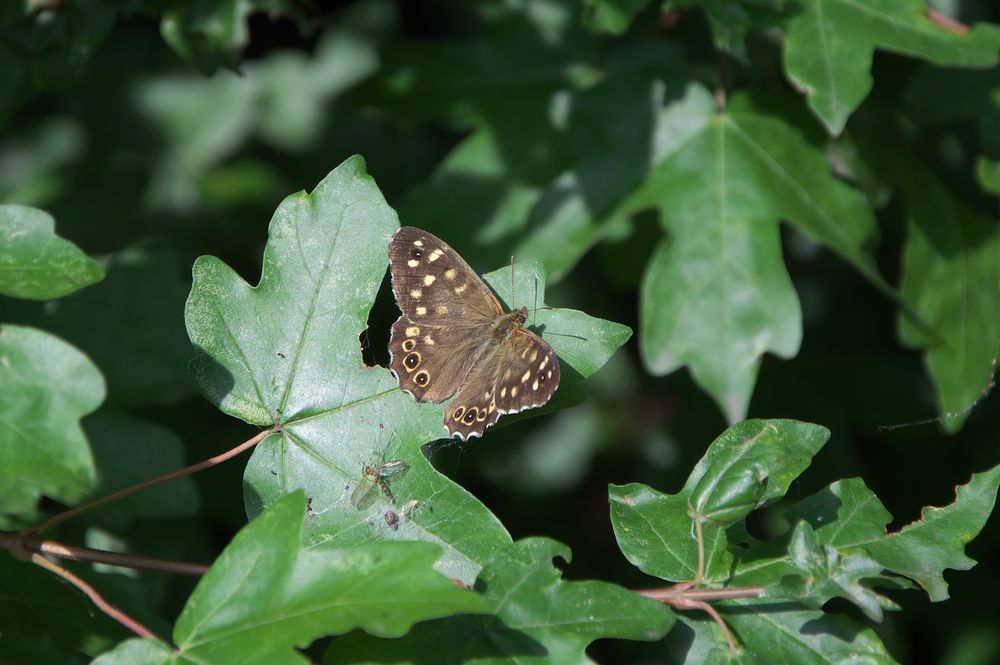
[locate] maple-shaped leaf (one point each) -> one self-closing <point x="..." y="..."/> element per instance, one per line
<point x="35" y="262"/>
<point x="266" y="594"/>
<point x="286" y="353"/>
<point x="46" y="386"/>
<point x="829" y="46"/>
<point x="536" y="617"/>
<point x="950" y="283"/>
<point x="715" y="295"/>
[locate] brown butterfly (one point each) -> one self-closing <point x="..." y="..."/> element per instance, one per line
<point x="455" y="337"/>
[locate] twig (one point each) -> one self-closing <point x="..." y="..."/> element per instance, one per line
<point x="59" y="518"/>
<point x="95" y="598"/>
<point x="9" y="540"/>
<point x="946" y="22"/>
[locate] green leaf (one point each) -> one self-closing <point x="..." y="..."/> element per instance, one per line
<point x="849" y="517"/>
<point x="937" y="96"/>
<point x="771" y="631"/>
<point x="36" y="263"/>
<point x="286" y="352"/>
<point x="826" y="574"/>
<point x="266" y="595"/>
<point x="45" y="45"/>
<point x="127" y="451"/>
<point x="46" y="386"/>
<point x="131" y="325"/>
<point x="950" y="282"/>
<point x="612" y="16"/>
<point x="212" y="33"/>
<point x="654" y="530"/>
<point x="829" y="46"/>
<point x="536" y="618"/>
<point x="32" y="601"/>
<point x="716" y="295"/>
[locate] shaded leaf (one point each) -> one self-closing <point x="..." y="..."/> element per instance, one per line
<point x="265" y="595"/>
<point x="46" y="386"/>
<point x="127" y="451"/>
<point x="773" y="631"/>
<point x="35" y="263"/>
<point x="32" y="601"/>
<point x="830" y="44"/>
<point x="537" y="618"/>
<point x="826" y="574"/>
<point x="849" y="517"/>
<point x="131" y="325"/>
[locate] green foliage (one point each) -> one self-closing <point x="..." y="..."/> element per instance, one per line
<point x="793" y="199"/>
<point x="36" y="263"/>
<point x="47" y="387"/>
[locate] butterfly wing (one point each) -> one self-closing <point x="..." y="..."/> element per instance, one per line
<point x="447" y="312"/>
<point x="520" y="373"/>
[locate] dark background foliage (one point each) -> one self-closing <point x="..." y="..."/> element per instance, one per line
<point x="147" y="159"/>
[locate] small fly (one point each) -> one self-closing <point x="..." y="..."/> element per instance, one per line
<point x="374" y="476"/>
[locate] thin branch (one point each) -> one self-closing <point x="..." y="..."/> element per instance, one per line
<point x="96" y="598"/>
<point x="9" y="540"/>
<point x="681" y="592"/>
<point x="59" y="518"/>
<point x="946" y="22"/>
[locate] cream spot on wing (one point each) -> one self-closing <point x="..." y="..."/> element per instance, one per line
<point x="435" y="255"/>
<point x="544" y="363"/>
<point x="493" y="406"/>
<point x="421" y="311"/>
<point x="503" y="392"/>
<point x="449" y="273"/>
<point x="526" y="375"/>
<point x="413" y="263"/>
<point x="506" y="374"/>
<point x="416" y="293"/>
<point x="441" y="309"/>
<point x="418" y="243"/>
<point x="525" y="352"/>
<point x="486" y="394"/>
<point x="513" y="391"/>
<point x="534" y="356"/>
<point x="429" y="279"/>
<point x="459" y="289"/>
<point x="548" y="374"/>
<point x="412" y="331"/>
<point x="534" y="386"/>
<point x="428" y="340"/>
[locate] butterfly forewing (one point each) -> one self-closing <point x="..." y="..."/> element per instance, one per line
<point x="454" y="335"/>
<point x="446" y="309"/>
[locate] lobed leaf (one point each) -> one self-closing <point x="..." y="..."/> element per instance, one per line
<point x="266" y="595"/>
<point x="829" y="46"/>
<point x="535" y="617"/>
<point x="46" y="386"/>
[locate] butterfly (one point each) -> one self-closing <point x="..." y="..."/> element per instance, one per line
<point x="455" y="338"/>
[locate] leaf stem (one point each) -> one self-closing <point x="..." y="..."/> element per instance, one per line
<point x="946" y="22"/>
<point x="96" y="598"/>
<point x="59" y="518"/>
<point x="11" y="540"/>
<point x="681" y="592"/>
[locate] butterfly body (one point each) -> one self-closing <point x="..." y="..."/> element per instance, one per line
<point x="455" y="338"/>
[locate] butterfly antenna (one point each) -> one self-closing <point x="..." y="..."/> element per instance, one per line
<point x="534" y="310"/>
<point x="511" y="303"/>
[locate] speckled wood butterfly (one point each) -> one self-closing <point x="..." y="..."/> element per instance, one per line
<point x="455" y="337"/>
